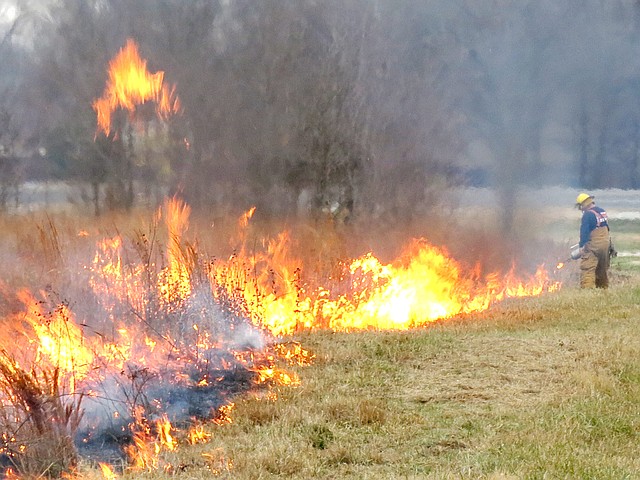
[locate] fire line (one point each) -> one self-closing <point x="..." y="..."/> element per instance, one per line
<point x="174" y="337"/>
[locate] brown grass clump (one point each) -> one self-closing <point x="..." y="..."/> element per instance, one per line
<point x="38" y="422"/>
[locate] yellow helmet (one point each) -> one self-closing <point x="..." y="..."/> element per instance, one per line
<point x="583" y="198"/>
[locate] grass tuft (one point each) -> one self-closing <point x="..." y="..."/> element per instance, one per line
<point x="41" y="422"/>
<point x="320" y="436"/>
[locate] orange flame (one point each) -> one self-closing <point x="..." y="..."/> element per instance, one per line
<point x="130" y="85"/>
<point x="164" y="427"/>
<point x="423" y="285"/>
<point x="10" y="474"/>
<point x="224" y="414"/>
<point x="107" y="471"/>
<point x="59" y="341"/>
<point x="175" y="282"/>
<point x="124" y="342"/>
<point x="144" y="452"/>
<point x="143" y="455"/>
<point x="294" y="354"/>
<point x="197" y="435"/>
<point x="115" y="282"/>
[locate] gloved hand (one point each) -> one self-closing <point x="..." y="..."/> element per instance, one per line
<point x="576" y="252"/>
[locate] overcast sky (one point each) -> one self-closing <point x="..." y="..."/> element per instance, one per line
<point x="7" y="11"/>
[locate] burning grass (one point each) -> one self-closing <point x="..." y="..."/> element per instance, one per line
<point x="154" y="335"/>
<point x="150" y="346"/>
<point x="37" y="418"/>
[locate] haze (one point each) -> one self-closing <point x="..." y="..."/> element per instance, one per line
<point x="350" y="108"/>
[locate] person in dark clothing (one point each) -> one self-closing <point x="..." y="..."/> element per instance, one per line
<point x="595" y="243"/>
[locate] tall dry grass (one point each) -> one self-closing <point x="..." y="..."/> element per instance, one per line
<point x="38" y="420"/>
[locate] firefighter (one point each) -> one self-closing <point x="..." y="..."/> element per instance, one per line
<point x="595" y="243"/>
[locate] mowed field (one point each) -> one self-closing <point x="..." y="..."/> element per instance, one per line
<point x="534" y="388"/>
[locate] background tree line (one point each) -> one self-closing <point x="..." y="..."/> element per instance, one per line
<point x="348" y="106"/>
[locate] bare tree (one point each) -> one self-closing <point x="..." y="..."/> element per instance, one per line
<point x="357" y="106"/>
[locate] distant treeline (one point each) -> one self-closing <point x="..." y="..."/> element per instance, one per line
<point x="334" y="106"/>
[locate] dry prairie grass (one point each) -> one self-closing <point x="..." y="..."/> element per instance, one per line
<point x="534" y="388"/>
<point x="537" y="388"/>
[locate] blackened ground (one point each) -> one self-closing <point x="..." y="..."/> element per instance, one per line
<point x="105" y="442"/>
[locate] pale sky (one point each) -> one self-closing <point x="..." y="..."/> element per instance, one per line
<point x="8" y="11"/>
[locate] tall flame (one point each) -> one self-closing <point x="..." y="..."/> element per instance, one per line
<point x="58" y="342"/>
<point x="423" y="285"/>
<point x="130" y="84"/>
<point x="175" y="283"/>
<point x="107" y="471"/>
